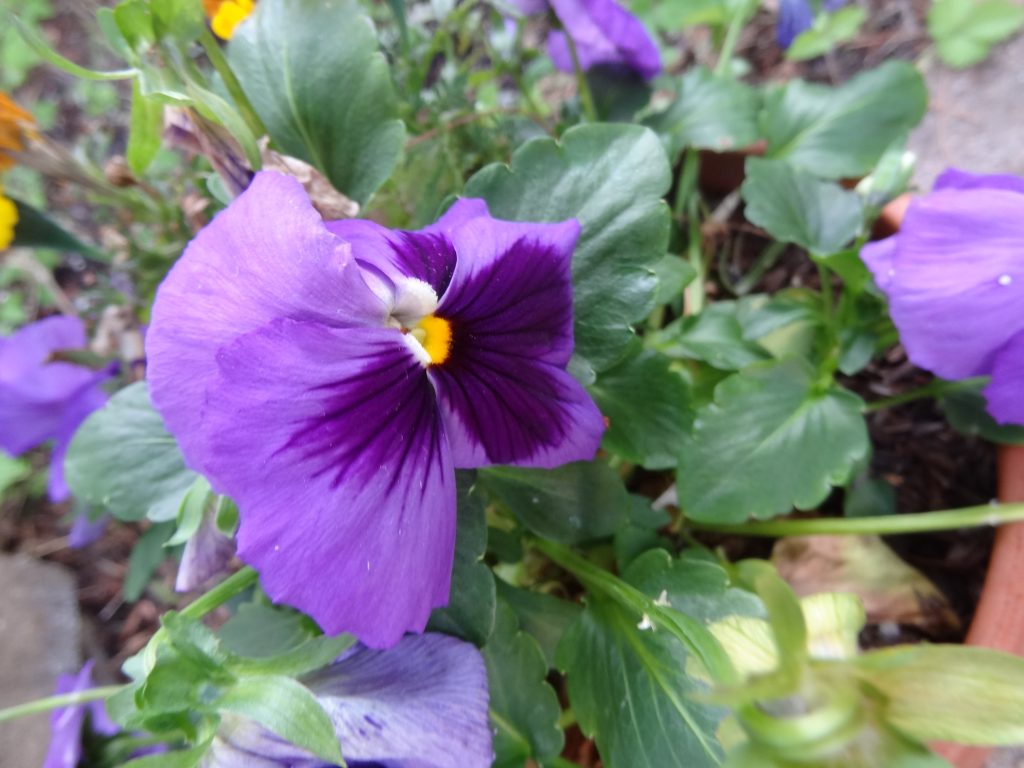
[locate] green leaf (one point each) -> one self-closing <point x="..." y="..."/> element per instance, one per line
<point x="965" y="30"/>
<point x="186" y="758"/>
<point x="967" y="412"/>
<point x="842" y="132"/>
<point x="772" y="440"/>
<point x="631" y="694"/>
<point x="714" y="336"/>
<point x="190" y="513"/>
<point x="12" y="472"/>
<point x="134" y="21"/>
<point x="797" y="207"/>
<point x="674" y="274"/>
<point x="331" y="105"/>
<point x="147" y="554"/>
<point x="573" y="503"/>
<point x="711" y="112"/>
<point x="648" y="410"/>
<point x="611" y="178"/>
<point x="180" y="19"/>
<point x="524" y="708"/>
<point x="470" y="610"/>
<point x="260" y="631"/>
<point x="949" y="692"/>
<point x="545" y="617"/>
<point x="287" y="709"/>
<point x="123" y="459"/>
<point x="145" y="131"/>
<point x="37" y="230"/>
<point x="828" y="31"/>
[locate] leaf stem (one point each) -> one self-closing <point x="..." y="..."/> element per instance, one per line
<point x="882" y="525"/>
<point x="62" y="700"/>
<point x="694" y="636"/>
<point x="732" y="36"/>
<point x="932" y="389"/>
<point x="220" y="63"/>
<point x="586" y="97"/>
<point x="231" y="586"/>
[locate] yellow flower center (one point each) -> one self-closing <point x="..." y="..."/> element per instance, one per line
<point x="435" y="335"/>
<point x="8" y="218"/>
<point x="228" y="15"/>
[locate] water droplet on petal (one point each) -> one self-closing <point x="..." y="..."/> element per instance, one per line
<point x="1005" y="280"/>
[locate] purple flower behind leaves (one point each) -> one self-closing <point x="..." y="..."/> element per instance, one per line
<point x="604" y="33"/>
<point x="421" y="704"/>
<point x="954" y="275"/>
<point x="797" y="16"/>
<point x="330" y="378"/>
<point x="44" y="400"/>
<point x="66" y="723"/>
<point x="206" y="554"/>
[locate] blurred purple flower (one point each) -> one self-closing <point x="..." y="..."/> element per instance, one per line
<point x="796" y="16"/>
<point x="329" y="379"/>
<point x="604" y="33"/>
<point x="42" y="400"/>
<point x="954" y="275"/>
<point x="421" y="704"/>
<point x="206" y="554"/>
<point x="85" y="531"/>
<point x="66" y="723"/>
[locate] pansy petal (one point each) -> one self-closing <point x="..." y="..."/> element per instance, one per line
<point x="958" y="281"/>
<point x="77" y="409"/>
<point x="462" y="211"/>
<point x="30" y="346"/>
<point x="85" y="531"/>
<point x="66" y="723"/>
<point x="395" y="255"/>
<point x="422" y="703"/>
<point x="267" y="255"/>
<point x="880" y="259"/>
<point x="504" y="393"/>
<point x="604" y="33"/>
<point x="795" y="16"/>
<point x="337" y="459"/>
<point x="1005" y="393"/>
<point x="954" y="178"/>
<point x="206" y="553"/>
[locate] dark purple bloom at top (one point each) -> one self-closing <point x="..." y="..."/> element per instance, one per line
<point x="421" y="704"/>
<point x="604" y="33"/>
<point x="954" y="275"/>
<point x="796" y="16"/>
<point x="330" y="378"/>
<point x="42" y="400"/>
<point x="66" y="723"/>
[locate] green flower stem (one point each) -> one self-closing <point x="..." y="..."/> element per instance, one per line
<point x="882" y="525"/>
<point x="220" y="63"/>
<point x="231" y="586"/>
<point x="586" y="97"/>
<point x="934" y="389"/>
<point x="694" y="636"/>
<point x="63" y="700"/>
<point x="732" y="36"/>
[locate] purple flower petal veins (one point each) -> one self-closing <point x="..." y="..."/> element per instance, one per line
<point x="330" y="377"/>
<point x="954" y="276"/>
<point x="421" y="704"/>
<point x="41" y="400"/>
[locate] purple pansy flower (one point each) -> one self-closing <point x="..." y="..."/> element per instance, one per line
<point x="66" y="723"/>
<point x="206" y="554"/>
<point x="421" y="704"/>
<point x="42" y="400"/>
<point x="330" y="378"/>
<point x="796" y="16"/>
<point x="604" y="33"/>
<point x="954" y="275"/>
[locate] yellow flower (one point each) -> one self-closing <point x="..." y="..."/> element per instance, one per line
<point x="225" y="15"/>
<point x="8" y="218"/>
<point x="15" y="125"/>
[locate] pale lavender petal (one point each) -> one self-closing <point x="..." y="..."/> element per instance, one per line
<point x="954" y="178"/>
<point x="880" y="257"/>
<point x="85" y="531"/>
<point x="267" y="255"/>
<point x="76" y="410"/>
<point x="394" y="255"/>
<point x="337" y="459"/>
<point x="66" y="723"/>
<point x="530" y="7"/>
<point x="1005" y="393"/>
<point x="462" y="211"/>
<point x="421" y="704"/>
<point x="206" y="554"/>
<point x="957" y="284"/>
<point x="504" y="392"/>
<point x="604" y="33"/>
<point x="29" y="347"/>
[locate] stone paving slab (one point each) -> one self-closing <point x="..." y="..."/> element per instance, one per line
<point x="39" y="640"/>
<point x="974" y="117"/>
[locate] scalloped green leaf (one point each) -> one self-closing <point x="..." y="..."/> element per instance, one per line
<point x="612" y="179"/>
<point x="334" y="105"/>
<point x="842" y="132"/>
<point x="769" y="442"/>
